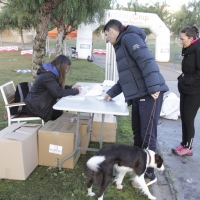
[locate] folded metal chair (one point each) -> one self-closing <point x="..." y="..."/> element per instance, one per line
<point x="8" y="93"/>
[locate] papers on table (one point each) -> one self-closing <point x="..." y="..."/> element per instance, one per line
<point x="85" y="89"/>
<point x="95" y="90"/>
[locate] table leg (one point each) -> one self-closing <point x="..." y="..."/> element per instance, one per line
<point x="102" y="130"/>
<point x="76" y="141"/>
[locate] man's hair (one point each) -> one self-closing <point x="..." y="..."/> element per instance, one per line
<point x="113" y="23"/>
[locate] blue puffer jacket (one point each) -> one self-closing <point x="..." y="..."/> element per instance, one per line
<point x="138" y="72"/>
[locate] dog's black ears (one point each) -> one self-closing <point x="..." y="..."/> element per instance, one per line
<point x="158" y="160"/>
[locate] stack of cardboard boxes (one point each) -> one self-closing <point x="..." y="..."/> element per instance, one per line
<point x="56" y="140"/>
<point x="18" y="150"/>
<point x="110" y="126"/>
<point x="25" y="146"/>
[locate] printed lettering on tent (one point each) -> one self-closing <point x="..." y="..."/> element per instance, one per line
<point x="142" y="20"/>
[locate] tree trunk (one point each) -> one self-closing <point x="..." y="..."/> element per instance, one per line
<point x="22" y="38"/>
<point x="59" y="40"/>
<point x="41" y="35"/>
<point x="1" y="39"/>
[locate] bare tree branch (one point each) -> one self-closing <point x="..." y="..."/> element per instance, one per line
<point x="57" y="3"/>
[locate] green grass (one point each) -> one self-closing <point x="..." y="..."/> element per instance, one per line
<point x="48" y="183"/>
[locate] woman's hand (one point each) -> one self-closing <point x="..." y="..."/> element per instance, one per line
<point x="155" y="95"/>
<point x="78" y="87"/>
<point x="107" y="97"/>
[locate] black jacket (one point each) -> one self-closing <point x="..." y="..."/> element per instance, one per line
<point x="138" y="72"/>
<point x="44" y="93"/>
<point x="189" y="80"/>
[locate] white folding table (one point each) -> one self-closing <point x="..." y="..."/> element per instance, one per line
<point x="91" y="104"/>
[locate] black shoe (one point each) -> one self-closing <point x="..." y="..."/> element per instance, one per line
<point x="150" y="178"/>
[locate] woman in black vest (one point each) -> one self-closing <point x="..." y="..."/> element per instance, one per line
<point x="189" y="88"/>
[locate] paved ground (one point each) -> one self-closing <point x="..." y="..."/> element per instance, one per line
<point x="180" y="179"/>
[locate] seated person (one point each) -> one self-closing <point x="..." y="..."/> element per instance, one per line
<point x="49" y="85"/>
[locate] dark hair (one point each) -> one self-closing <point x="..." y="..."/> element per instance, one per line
<point x="113" y="23"/>
<point x="191" y="31"/>
<point x="61" y="63"/>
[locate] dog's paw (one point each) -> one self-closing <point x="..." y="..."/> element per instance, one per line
<point x="119" y="186"/>
<point x="91" y="194"/>
<point x="151" y="197"/>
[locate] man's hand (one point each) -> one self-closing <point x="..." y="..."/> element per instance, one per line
<point x="155" y="95"/>
<point x="107" y="97"/>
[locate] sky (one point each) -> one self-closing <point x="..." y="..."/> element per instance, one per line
<point x="175" y="4"/>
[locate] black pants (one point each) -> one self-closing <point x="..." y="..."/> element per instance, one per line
<point x="56" y="114"/>
<point x="189" y="105"/>
<point x="144" y="127"/>
<point x="144" y="122"/>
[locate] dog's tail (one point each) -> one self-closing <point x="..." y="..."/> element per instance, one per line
<point x="94" y="162"/>
<point x="92" y="169"/>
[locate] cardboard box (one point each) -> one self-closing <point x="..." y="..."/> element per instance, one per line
<point x="108" y="118"/>
<point x="72" y="117"/>
<point x="109" y="131"/>
<point x="85" y="126"/>
<point x="66" y="117"/>
<point x="55" y="142"/>
<point x="18" y="150"/>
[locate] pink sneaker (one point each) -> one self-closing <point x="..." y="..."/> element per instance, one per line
<point x="177" y="148"/>
<point x="184" y="152"/>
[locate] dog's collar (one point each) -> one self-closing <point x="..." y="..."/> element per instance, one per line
<point x="149" y="156"/>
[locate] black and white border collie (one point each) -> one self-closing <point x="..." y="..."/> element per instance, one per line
<point x="122" y="158"/>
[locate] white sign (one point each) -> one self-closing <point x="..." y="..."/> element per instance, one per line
<point x="55" y="149"/>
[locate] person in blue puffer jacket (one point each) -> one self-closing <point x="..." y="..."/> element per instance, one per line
<point x="140" y="81"/>
<point x="49" y="85"/>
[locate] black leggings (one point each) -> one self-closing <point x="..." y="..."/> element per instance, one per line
<point x="189" y="105"/>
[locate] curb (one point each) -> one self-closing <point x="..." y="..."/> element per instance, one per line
<point x="163" y="189"/>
